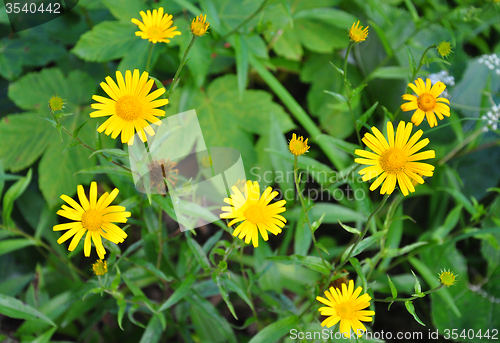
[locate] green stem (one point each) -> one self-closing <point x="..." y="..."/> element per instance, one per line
<point x="354" y="122"/>
<point x="302" y="202"/>
<point x="365" y="230"/>
<point x="151" y="46"/>
<point x="390" y="300"/>
<point x="460" y="146"/>
<point x="243" y="23"/>
<point x="181" y="65"/>
<point x="160" y="242"/>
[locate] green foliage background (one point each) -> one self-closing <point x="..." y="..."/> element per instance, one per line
<point x="251" y="89"/>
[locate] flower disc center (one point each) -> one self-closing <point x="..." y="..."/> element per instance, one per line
<point x="297" y="146"/>
<point x="393" y="160"/>
<point x="154" y="32"/>
<point x="128" y="108"/>
<point x="91" y="220"/>
<point x="345" y="310"/>
<point x="426" y="102"/>
<point x="254" y="214"/>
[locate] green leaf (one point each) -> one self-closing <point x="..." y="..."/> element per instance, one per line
<point x="107" y="41"/>
<point x="105" y="169"/>
<point x="77" y="130"/>
<point x="350" y="229"/>
<point x="411" y="60"/>
<point x="334" y="213"/>
<point x="179" y="293"/>
<point x="418" y="287"/>
<point x="364" y="244"/>
<point x="223" y="293"/>
<point x="153" y="331"/>
<point x="241" y="51"/>
<point x="198" y="252"/>
<point x="357" y="90"/>
<point x="124" y="10"/>
<point x="122" y="306"/>
<point x="357" y="266"/>
<point x="339" y="143"/>
<point x="11" y="195"/>
<point x="315" y="225"/>
<point x="11" y="307"/>
<point x="45" y="337"/>
<point x="334" y="17"/>
<point x="280" y="165"/>
<point x="391" y="72"/>
<point x="275" y="331"/>
<point x="368" y="113"/>
<point x="340" y="71"/>
<point x="411" y="309"/>
<point x="394" y="291"/>
<point x="113" y="152"/>
<point x="383" y="38"/>
<point x="311" y="262"/>
<point x="404" y="250"/>
<point x="9" y="245"/>
<point x="337" y="96"/>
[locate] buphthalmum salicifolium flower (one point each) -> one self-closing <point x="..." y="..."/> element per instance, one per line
<point x="444" y="49"/>
<point x="447" y="278"/>
<point x="346" y="306"/>
<point x="255" y="212"/>
<point x="427" y="102"/>
<point x="199" y="25"/>
<point x="100" y="267"/>
<point x="298" y="146"/>
<point x="357" y="34"/>
<point x="396" y="159"/>
<point x="131" y="106"/>
<point x="94" y="217"/>
<point x="56" y="103"/>
<point x="156" y="26"/>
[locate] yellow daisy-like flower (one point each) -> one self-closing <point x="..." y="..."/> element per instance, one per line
<point x="130" y="106"/>
<point x="346" y="306"/>
<point x="156" y="27"/>
<point x="357" y="33"/>
<point x="94" y="217"/>
<point x="426" y="103"/>
<point x="100" y="267"/>
<point x="198" y="25"/>
<point x="396" y="159"/>
<point x="444" y="49"/>
<point x="255" y="213"/>
<point x="56" y="103"/>
<point x="447" y="278"/>
<point x="298" y="146"/>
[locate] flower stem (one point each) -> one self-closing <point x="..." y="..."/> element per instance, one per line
<point x="302" y="202"/>
<point x="365" y="230"/>
<point x="181" y="65"/>
<point x="151" y="46"/>
<point x="389" y="300"/>
<point x="349" y="47"/>
<point x="459" y="147"/>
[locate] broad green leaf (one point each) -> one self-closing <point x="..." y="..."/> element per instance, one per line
<point x="275" y="331"/>
<point x="107" y="41"/>
<point x="332" y="16"/>
<point x="311" y="262"/>
<point x="11" y="195"/>
<point x="11" y="307"/>
<point x="364" y="244"/>
<point x="124" y="10"/>
<point x="9" y="245"/>
<point x="45" y="337"/>
<point x="411" y="309"/>
<point x="179" y="293"/>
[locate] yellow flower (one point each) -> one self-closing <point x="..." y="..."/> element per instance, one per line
<point x="447" y="278"/>
<point x="357" y="33"/>
<point x="94" y="217"/>
<point x="56" y="103"/>
<point x="100" y="267"/>
<point x="395" y="160"/>
<point x="426" y="103"/>
<point x="156" y="26"/>
<point x="255" y="213"/>
<point x="347" y="307"/>
<point x="130" y="106"/>
<point x="444" y="49"/>
<point x="298" y="146"/>
<point x="198" y="25"/>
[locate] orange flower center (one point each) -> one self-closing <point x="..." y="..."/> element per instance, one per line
<point x="154" y="32"/>
<point x="345" y="310"/>
<point x="426" y="102"/>
<point x="393" y="160"/>
<point x="128" y="108"/>
<point x="254" y="214"/>
<point x="92" y="220"/>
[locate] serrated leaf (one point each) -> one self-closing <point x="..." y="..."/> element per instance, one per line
<point x="411" y="309"/>
<point x="394" y="291"/>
